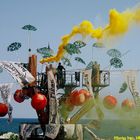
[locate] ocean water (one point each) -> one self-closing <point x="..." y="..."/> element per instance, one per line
<point x="108" y="128"/>
<point x="14" y="126"/>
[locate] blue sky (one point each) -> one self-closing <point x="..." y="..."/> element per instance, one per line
<point x="54" y="19"/>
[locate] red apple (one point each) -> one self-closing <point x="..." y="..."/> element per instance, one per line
<point x="18" y="96"/>
<point x="39" y="101"/>
<point x="110" y="102"/>
<point x="3" y="109"/>
<point x="127" y="105"/>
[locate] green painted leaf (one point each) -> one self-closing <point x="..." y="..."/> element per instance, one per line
<point x="116" y="62"/>
<point x="72" y="49"/>
<point x="29" y="27"/>
<point x="123" y="87"/>
<point x="78" y="59"/>
<point x="114" y="53"/>
<point x="45" y="50"/>
<point x="89" y="66"/>
<point x="66" y="62"/>
<point x="98" y="45"/>
<point x="14" y="46"/>
<point x="1" y="69"/>
<point x="79" y="44"/>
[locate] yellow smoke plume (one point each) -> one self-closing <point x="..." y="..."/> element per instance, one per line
<point x="119" y="24"/>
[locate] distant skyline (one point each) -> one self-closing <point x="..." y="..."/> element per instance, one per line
<point x="53" y="19"/>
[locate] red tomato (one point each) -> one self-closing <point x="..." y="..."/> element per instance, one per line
<point x="127" y="105"/>
<point x="18" y="96"/>
<point x="39" y="101"/>
<point x="77" y="98"/>
<point x="3" y="109"/>
<point x="71" y="97"/>
<point x="110" y="102"/>
<point x="85" y="92"/>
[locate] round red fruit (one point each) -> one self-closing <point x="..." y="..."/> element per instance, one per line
<point x="3" y="109"/>
<point x="127" y="105"/>
<point x="110" y="102"/>
<point x="39" y="101"/>
<point x="18" y="96"/>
